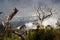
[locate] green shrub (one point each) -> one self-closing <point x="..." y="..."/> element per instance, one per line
<point x="44" y="34"/>
<point x="38" y="34"/>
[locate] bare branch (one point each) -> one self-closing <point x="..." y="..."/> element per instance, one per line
<point x="19" y="35"/>
<point x="6" y="23"/>
<point x="48" y="15"/>
<point x="50" y="11"/>
<point x="38" y="14"/>
<point x="43" y="15"/>
<point x="12" y="14"/>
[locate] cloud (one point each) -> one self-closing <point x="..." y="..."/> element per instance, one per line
<point x="55" y="1"/>
<point x="28" y="7"/>
<point x="51" y="22"/>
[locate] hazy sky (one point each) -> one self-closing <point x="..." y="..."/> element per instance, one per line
<point x="28" y="7"/>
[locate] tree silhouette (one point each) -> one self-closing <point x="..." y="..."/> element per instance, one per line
<point x="8" y="29"/>
<point x="41" y="16"/>
<point x="6" y="23"/>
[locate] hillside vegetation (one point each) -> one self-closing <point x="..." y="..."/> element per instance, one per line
<point x="38" y="34"/>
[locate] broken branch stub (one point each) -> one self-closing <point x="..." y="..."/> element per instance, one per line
<point x="6" y="23"/>
<point x="12" y="14"/>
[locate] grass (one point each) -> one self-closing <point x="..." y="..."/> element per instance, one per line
<point x="38" y="34"/>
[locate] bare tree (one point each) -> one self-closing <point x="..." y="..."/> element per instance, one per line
<point x="43" y="16"/>
<point x="8" y="29"/>
<point x="6" y="22"/>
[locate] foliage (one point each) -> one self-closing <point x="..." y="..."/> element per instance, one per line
<point x="38" y="34"/>
<point x="44" y="34"/>
<point x="11" y="36"/>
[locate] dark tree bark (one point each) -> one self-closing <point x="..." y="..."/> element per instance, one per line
<point x="6" y="23"/>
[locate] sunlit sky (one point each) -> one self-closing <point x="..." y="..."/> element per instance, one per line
<point x="28" y="8"/>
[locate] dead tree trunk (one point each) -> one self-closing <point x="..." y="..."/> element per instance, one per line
<point x="6" y="23"/>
